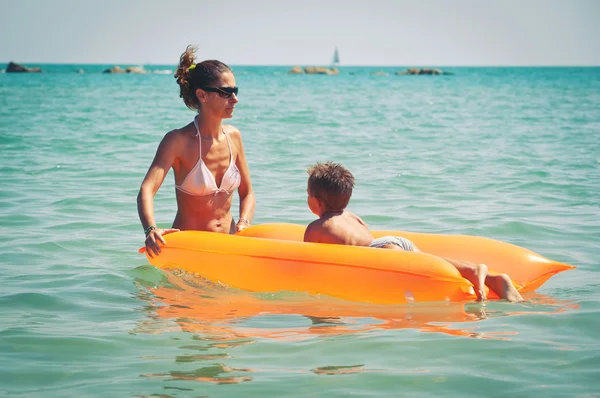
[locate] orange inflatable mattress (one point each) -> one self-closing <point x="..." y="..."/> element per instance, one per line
<point x="273" y="257"/>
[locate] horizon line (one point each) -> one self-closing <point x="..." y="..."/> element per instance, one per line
<point x="324" y="65"/>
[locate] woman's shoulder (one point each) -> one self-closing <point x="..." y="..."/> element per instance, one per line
<point x="232" y="131"/>
<point x="177" y="138"/>
<point x="180" y="133"/>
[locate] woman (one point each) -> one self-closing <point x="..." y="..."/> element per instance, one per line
<point x="207" y="158"/>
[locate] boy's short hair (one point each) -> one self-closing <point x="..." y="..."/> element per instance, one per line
<point x="331" y="183"/>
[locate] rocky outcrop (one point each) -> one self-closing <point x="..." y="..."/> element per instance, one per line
<point x="296" y="70"/>
<point x="316" y="70"/>
<point x="132" y="69"/>
<point x="135" y="69"/>
<point x="422" y="71"/>
<point x="313" y="70"/>
<point x="16" y="68"/>
<point x="114" y="69"/>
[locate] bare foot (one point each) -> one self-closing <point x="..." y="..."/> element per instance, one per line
<point x="481" y="272"/>
<point x="503" y="287"/>
<point x="474" y="273"/>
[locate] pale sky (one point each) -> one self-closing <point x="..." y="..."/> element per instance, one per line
<point x="303" y="32"/>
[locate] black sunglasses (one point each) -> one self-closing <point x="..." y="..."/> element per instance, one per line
<point x="224" y="92"/>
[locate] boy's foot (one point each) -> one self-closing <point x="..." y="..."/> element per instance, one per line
<point x="474" y="273"/>
<point x="503" y="286"/>
<point x="480" y="273"/>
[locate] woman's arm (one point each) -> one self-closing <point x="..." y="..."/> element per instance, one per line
<point x="247" y="199"/>
<point x="162" y="163"/>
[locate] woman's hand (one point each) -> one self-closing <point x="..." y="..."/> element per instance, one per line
<point x="242" y="224"/>
<point x="154" y="236"/>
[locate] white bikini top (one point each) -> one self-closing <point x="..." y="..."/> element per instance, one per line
<point x="200" y="181"/>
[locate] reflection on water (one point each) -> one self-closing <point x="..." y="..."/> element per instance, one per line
<point x="223" y="319"/>
<point x="195" y="358"/>
<point x="338" y="370"/>
<point x="192" y="304"/>
<point x="219" y="373"/>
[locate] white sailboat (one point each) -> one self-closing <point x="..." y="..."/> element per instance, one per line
<point x="336" y="57"/>
<point x="319" y="70"/>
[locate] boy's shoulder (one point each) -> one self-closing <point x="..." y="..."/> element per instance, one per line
<point x="314" y="231"/>
<point x="315" y="225"/>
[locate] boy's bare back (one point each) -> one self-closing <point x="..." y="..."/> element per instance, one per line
<point x="339" y="227"/>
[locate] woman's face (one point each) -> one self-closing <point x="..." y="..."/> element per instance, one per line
<point x="221" y="99"/>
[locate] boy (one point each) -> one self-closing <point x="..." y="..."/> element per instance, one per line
<point x="329" y="190"/>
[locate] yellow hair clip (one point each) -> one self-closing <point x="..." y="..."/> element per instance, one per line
<point x="192" y="67"/>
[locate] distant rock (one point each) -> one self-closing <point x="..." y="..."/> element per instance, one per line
<point x="313" y="70"/>
<point x="423" y="71"/>
<point x="296" y="70"/>
<point x="317" y="70"/>
<point x="16" y="68"/>
<point x="132" y="69"/>
<point x="114" y="69"/>
<point x="135" y="69"/>
<point x="379" y="73"/>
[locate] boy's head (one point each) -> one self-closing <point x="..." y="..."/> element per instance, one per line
<point x="330" y="183"/>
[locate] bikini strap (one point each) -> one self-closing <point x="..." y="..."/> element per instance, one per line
<point x="228" y="144"/>
<point x="199" y="139"/>
<point x="196" y="125"/>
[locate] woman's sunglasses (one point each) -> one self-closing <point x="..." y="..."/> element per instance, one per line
<point x="224" y="92"/>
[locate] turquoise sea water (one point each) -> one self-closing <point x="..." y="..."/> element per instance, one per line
<point x="508" y="153"/>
